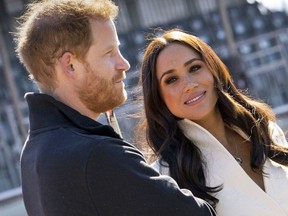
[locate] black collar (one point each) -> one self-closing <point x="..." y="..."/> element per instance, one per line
<point x="45" y="111"/>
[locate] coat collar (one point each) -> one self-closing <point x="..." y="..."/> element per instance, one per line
<point x="47" y="112"/>
<point x="240" y="195"/>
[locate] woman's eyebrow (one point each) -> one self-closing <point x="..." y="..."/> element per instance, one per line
<point x="172" y="70"/>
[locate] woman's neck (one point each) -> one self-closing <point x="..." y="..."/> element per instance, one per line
<point x="215" y="125"/>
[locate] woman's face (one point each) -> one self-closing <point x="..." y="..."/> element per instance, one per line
<point x="186" y="85"/>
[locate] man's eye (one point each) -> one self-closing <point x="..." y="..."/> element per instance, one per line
<point x="109" y="52"/>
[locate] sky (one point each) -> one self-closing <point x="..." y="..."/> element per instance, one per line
<point x="273" y="5"/>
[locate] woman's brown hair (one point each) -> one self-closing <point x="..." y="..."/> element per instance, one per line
<point x="168" y="141"/>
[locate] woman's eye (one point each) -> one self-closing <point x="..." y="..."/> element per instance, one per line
<point x="170" y="80"/>
<point x="195" y="68"/>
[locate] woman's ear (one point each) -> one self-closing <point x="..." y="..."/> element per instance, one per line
<point x="66" y="62"/>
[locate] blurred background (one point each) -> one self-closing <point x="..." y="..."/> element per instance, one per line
<point x="250" y="36"/>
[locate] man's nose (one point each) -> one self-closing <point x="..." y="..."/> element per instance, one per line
<point x="123" y="63"/>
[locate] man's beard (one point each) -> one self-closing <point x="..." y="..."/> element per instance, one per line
<point x="99" y="94"/>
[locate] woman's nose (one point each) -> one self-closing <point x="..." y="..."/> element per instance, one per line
<point x="189" y="83"/>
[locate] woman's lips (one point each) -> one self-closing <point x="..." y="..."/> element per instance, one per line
<point x="195" y="99"/>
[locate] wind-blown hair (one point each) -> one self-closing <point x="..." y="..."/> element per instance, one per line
<point x="168" y="141"/>
<point x="49" y="28"/>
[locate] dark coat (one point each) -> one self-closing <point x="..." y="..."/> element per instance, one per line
<point x="72" y="165"/>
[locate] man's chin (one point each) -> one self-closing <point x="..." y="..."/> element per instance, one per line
<point x="122" y="100"/>
<point x="124" y="96"/>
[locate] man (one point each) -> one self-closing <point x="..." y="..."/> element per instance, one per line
<point x="72" y="165"/>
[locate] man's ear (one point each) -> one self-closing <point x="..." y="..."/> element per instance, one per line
<point x="66" y="62"/>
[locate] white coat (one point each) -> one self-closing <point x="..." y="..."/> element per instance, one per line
<point x="240" y="195"/>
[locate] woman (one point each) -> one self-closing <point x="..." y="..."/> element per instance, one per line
<point x="210" y="137"/>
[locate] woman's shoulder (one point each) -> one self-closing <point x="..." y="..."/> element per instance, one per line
<point x="277" y="134"/>
<point x="161" y="166"/>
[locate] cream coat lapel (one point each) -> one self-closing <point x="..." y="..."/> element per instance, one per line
<point x="276" y="183"/>
<point x="240" y="196"/>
